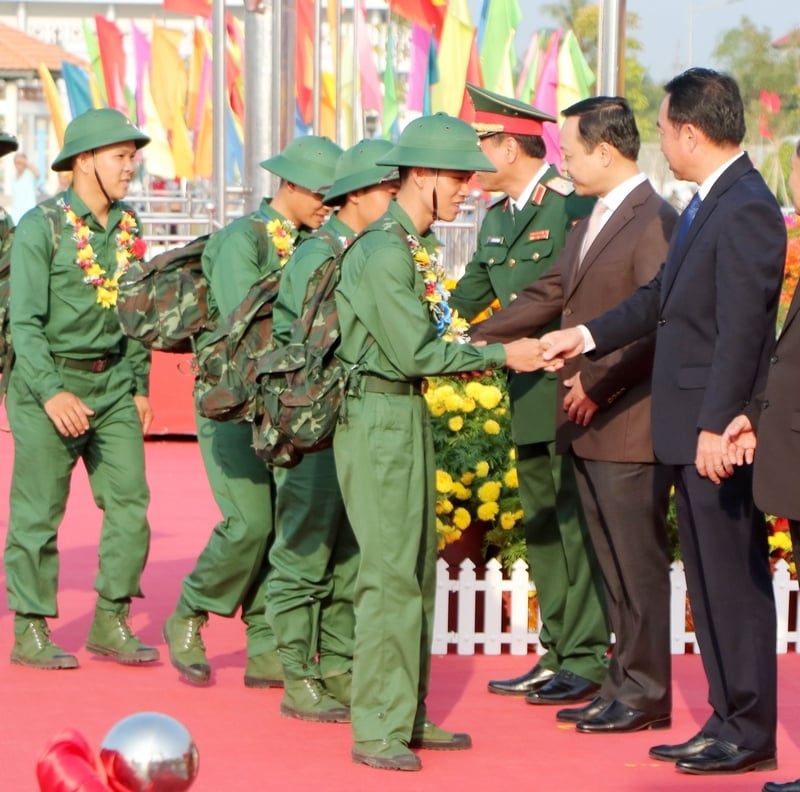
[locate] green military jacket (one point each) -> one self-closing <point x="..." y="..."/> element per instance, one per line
<point x="381" y="296"/>
<point x="6" y="224"/>
<point x="512" y="253"/>
<point x="313" y="253"/>
<point x="53" y="311"/>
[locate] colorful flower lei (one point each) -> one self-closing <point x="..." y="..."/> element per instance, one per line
<point x="282" y="234"/>
<point x="449" y="325"/>
<point x="130" y="247"/>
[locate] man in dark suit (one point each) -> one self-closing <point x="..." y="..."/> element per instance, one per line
<point x="605" y="417"/>
<point x="713" y="307"/>
<point x="776" y="420"/>
<point x="519" y="240"/>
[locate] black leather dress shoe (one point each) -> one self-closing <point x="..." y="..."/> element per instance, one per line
<point x="617" y="718"/>
<point x="789" y="786"/>
<point x="564" y="688"/>
<point x="725" y="758"/>
<point x="684" y="750"/>
<point x="578" y="714"/>
<point x="536" y="678"/>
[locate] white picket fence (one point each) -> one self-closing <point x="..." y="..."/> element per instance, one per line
<point x="479" y="608"/>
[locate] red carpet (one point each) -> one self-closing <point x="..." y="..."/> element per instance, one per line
<point x="243" y="741"/>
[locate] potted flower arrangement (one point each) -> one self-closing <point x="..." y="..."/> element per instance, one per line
<point x="476" y="478"/>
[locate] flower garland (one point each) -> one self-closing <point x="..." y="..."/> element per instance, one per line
<point x="282" y="234"/>
<point x="449" y="325"/>
<point x="130" y="247"/>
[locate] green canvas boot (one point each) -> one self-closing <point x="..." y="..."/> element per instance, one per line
<point x="340" y="686"/>
<point x="34" y="648"/>
<point x="386" y="755"/>
<point x="433" y="738"/>
<point x="264" y="670"/>
<point x="111" y="636"/>
<point x="307" y="699"/>
<point x="187" y="652"/>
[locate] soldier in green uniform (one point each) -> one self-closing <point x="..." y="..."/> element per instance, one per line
<point x="395" y="322"/>
<point x="519" y="240"/>
<point x="314" y="557"/>
<point x="231" y="570"/>
<point x="78" y="390"/>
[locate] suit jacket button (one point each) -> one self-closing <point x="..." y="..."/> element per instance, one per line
<point x="491" y="261"/>
<point x="536" y="256"/>
<point x="773" y="359"/>
<point x="567" y="312"/>
<point x="662" y="322"/>
<point x="512" y="262"/>
<point x="512" y="296"/>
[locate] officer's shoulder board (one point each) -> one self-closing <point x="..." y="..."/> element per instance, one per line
<point x="561" y="186"/>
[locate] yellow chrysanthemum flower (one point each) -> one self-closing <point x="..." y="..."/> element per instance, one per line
<point x="444" y="506"/>
<point x="437" y="410"/>
<point x="519" y="514"/>
<point x="491" y="427"/>
<point x="444" y="482"/>
<point x="460" y="492"/>
<point x="468" y="404"/>
<point x="489" y="492"/>
<point x="94" y="271"/>
<point x="106" y="297"/>
<point x="512" y="454"/>
<point x="507" y="521"/>
<point x="452" y="402"/>
<point x="456" y="423"/>
<point x="511" y="478"/>
<point x="461" y="518"/>
<point x="490" y="396"/>
<point x="482" y="469"/>
<point x="473" y="389"/>
<point x="467" y="478"/>
<point x="500" y="411"/>
<point x="488" y="511"/>
<point x="85" y="253"/>
<point x="443" y="391"/>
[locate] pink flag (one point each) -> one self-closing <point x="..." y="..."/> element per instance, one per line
<point x="420" y="55"/>
<point x="141" y="59"/>
<point x="371" y="96"/>
<point x="544" y="98"/>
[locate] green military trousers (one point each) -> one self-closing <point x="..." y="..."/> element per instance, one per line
<point x="113" y="453"/>
<point x="313" y="564"/>
<point x="385" y="462"/>
<point x="232" y="569"/>
<point x="574" y="628"/>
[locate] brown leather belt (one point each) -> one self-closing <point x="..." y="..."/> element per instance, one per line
<point x="395" y="387"/>
<point x="96" y="365"/>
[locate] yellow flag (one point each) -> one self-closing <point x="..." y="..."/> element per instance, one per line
<point x="454" y="52"/>
<point x="53" y="99"/>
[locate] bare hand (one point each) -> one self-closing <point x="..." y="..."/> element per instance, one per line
<point x="579" y="407"/>
<point x="712" y="460"/>
<point x="524" y="354"/>
<point x="560" y="345"/>
<point x="68" y="413"/>
<point x="145" y="412"/>
<point x="741" y="440"/>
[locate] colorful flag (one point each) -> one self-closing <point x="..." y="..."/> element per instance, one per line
<point x="390" y="104"/>
<point x="112" y="59"/>
<point x="475" y="77"/>
<point x="370" y="93"/>
<point x="192" y="7"/>
<point x="79" y="91"/>
<point x="96" y="64"/>
<point x="457" y="34"/>
<point x="529" y="73"/>
<point x="545" y="98"/>
<point x="431" y="73"/>
<point x="498" y="55"/>
<point x="53" y="99"/>
<point x="575" y="77"/>
<point x="233" y="66"/>
<point x="421" y="41"/>
<point x="304" y="59"/>
<point x="482" y="23"/>
<point x="141" y="64"/>
<point x="428" y="14"/>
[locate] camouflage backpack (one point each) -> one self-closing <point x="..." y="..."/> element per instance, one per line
<point x="302" y="384"/>
<point x="225" y="367"/>
<point x="54" y="215"/>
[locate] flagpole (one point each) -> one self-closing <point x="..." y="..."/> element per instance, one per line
<point x="611" y="48"/>
<point x="218" y="98"/>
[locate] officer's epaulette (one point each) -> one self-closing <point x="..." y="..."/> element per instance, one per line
<point x="560" y="185"/>
<point x="499" y="200"/>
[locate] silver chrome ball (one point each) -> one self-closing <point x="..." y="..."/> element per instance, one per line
<point x="150" y="752"/>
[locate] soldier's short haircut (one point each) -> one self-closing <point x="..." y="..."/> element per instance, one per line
<point x="607" y="119"/>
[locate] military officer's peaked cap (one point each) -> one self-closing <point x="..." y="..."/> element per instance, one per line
<point x="8" y="143"/>
<point x="439" y="142"/>
<point x="308" y="161"/>
<point x="95" y="129"/>
<point x="496" y="113"/>
<point x="357" y="169"/>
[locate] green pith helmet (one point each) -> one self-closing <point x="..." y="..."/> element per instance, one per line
<point x="308" y="162"/>
<point x="441" y="142"/>
<point x="95" y="129"/>
<point x="496" y="113"/>
<point x="356" y="169"/>
<point x="8" y="143"/>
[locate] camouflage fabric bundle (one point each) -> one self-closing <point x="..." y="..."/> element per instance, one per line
<point x="226" y="365"/>
<point x="163" y="302"/>
<point x="302" y="384"/>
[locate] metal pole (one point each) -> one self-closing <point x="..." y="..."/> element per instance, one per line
<point x="611" y="48"/>
<point x="218" y="99"/>
<point x="258" y="91"/>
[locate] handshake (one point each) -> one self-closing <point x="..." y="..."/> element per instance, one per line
<point x="548" y="352"/>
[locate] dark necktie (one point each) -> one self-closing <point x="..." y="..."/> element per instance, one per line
<point x="688" y="216"/>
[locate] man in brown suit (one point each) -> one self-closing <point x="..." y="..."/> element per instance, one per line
<point x="605" y="420"/>
<point x="776" y="420"/>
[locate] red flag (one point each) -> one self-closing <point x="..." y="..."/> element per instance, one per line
<point x="770" y="101"/>
<point x="474" y="76"/>
<point x="425" y="13"/>
<point x="192" y="7"/>
<point x="112" y="59"/>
